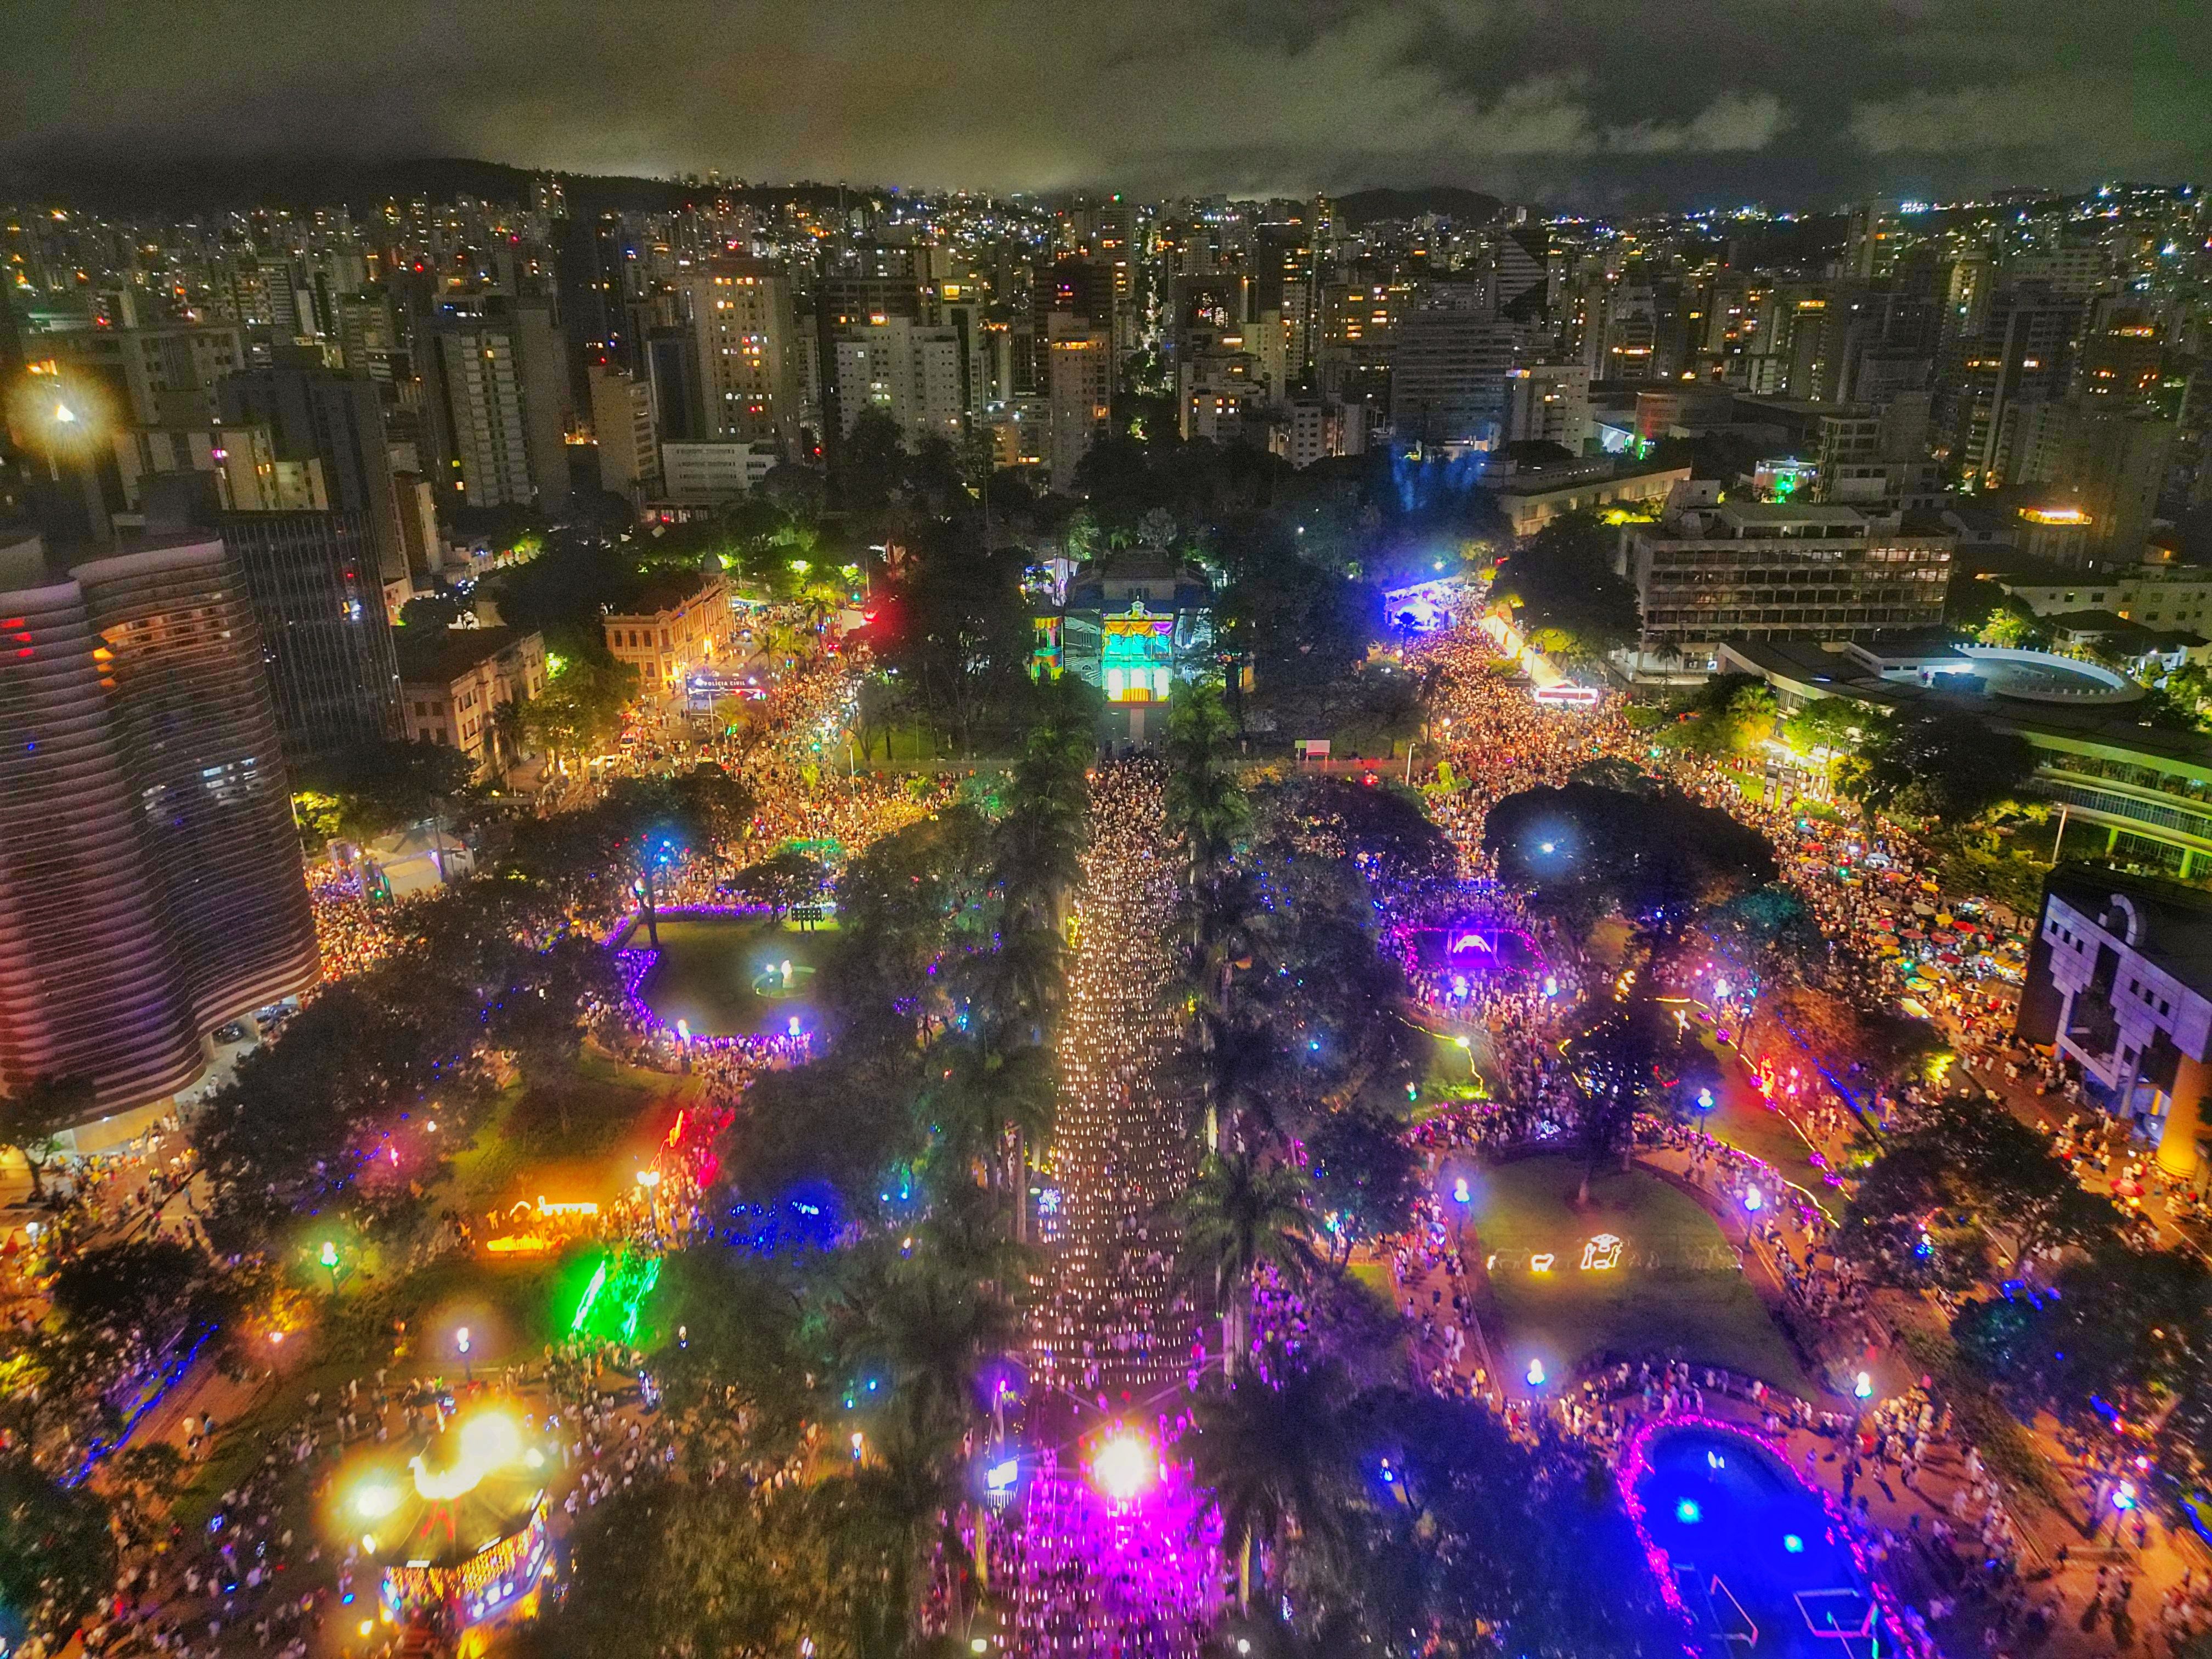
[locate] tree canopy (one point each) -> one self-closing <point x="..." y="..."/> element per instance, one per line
<point x="1582" y="850"/>
<point x="1935" y="763"/>
<point x="1567" y="596"/>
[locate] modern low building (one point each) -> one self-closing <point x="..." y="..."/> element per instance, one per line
<point x="1763" y="571"/>
<point x="151" y="888"/>
<point x="453" y="681"/>
<point x="2119" y="982"/>
<point x="1530" y="504"/>
<point x="1133" y="626"/>
<point x="682" y="620"/>
<point x="2147" y="791"/>
<point x="2159" y="595"/>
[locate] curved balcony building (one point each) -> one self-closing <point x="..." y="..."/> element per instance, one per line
<point x="151" y="880"/>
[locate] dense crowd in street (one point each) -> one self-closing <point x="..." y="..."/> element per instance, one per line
<point x="1948" y="1543"/>
<point x="1114" y="1330"/>
<point x="1114" y="1326"/>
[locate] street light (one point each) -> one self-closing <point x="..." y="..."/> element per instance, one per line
<point x="69" y="422"/>
<point x="468" y="1366"/>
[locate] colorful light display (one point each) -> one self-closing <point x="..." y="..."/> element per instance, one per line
<point x="1636" y="1466"/>
<point x="1083" y="1573"/>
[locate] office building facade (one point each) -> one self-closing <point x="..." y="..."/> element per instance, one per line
<point x="333" y="423"/>
<point x="332" y="671"/>
<point x="1739" y="570"/>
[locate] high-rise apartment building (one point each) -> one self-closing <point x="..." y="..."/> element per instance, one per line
<point x="370" y="339"/>
<point x="333" y="423"/>
<point x="671" y="377"/>
<point x="1448" y="376"/>
<point x="1549" y="402"/>
<point x="902" y="369"/>
<point x="1318" y="429"/>
<point x="2109" y="459"/>
<point x="494" y="386"/>
<point x="594" y="261"/>
<point x="150" y="881"/>
<point x="156" y="376"/>
<point x="2122" y="354"/>
<point x="313" y="578"/>
<point x="1079" y="392"/>
<point x="622" y="423"/>
<point x="746" y="343"/>
<point x="1219" y="393"/>
<point x="2022" y="354"/>
<point x="1875" y="241"/>
<point x="1081" y="289"/>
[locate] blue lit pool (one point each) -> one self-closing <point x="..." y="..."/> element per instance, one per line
<point x="1750" y="1550"/>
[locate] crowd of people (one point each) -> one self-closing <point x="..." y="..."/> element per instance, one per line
<point x="1113" y="1326"/>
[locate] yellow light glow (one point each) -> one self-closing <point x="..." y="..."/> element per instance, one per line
<point x="374" y="1502"/>
<point x="489" y="1442"/>
<point x="2054" y="515"/>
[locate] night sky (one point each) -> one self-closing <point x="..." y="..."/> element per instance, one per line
<point x="1574" y="102"/>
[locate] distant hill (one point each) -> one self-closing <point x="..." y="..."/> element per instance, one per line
<point x="1365" y="207"/>
<point x="168" y="183"/>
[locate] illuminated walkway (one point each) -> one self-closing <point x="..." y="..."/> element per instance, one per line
<point x="1120" y="1151"/>
<point x="1134" y="1570"/>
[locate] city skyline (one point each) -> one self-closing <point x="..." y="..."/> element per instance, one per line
<point x="1705" y="104"/>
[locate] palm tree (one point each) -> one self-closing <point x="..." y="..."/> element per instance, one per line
<point x="1238" y="1216"/>
<point x="1015" y="992"/>
<point x="983" y="1095"/>
<point x="510" y="724"/>
<point x="36" y="1113"/>
<point x="1207" y="806"/>
<point x="1275" y="1456"/>
<point x="925" y="1324"/>
<point x="1037" y="862"/>
<point x="1221" y="921"/>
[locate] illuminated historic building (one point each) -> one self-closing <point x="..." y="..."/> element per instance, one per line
<point x="1131" y="626"/>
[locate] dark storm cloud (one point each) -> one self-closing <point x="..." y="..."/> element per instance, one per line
<point x="1589" y="100"/>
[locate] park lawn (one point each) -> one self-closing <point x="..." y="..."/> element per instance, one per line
<point x="608" y="1104"/>
<point x="1452" y="1072"/>
<point x="708" y="967"/>
<point x="1376" y="1276"/>
<point x="512" y="1309"/>
<point x="1676" y="1292"/>
<point x="1743" y="1119"/>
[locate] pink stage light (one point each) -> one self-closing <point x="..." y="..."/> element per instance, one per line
<point x="1124" y="1466"/>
